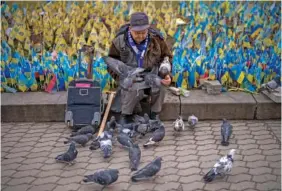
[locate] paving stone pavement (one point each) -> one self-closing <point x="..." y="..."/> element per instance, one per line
<point x="28" y="151"/>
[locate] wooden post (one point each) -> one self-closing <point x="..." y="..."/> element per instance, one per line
<point x="103" y="124"/>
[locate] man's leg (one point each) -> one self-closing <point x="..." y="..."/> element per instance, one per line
<point x="129" y="100"/>
<point x="157" y="100"/>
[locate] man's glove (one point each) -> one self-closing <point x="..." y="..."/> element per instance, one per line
<point x="165" y="67"/>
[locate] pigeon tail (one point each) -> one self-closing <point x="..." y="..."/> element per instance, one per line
<point x="210" y="176"/>
<point x="150" y="142"/>
<point x="137" y="177"/>
<point x="225" y="140"/>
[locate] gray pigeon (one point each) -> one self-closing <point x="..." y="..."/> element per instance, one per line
<point x="128" y="132"/>
<point x="106" y="143"/>
<point x="103" y="177"/>
<point x="158" y="135"/>
<point x="140" y="119"/>
<point x="95" y="145"/>
<point x="134" y="156"/>
<point x="112" y="123"/>
<point x="192" y="121"/>
<point x="154" y="125"/>
<point x="153" y="81"/>
<point x="69" y="156"/>
<point x="124" y="140"/>
<point x="271" y="85"/>
<point x="79" y="139"/>
<point x="84" y="130"/>
<point x="148" y="171"/>
<point x="221" y="167"/>
<point x="130" y="126"/>
<point x="142" y="129"/>
<point x="226" y="131"/>
<point x="127" y="74"/>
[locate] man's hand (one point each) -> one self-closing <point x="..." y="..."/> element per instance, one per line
<point x="167" y="80"/>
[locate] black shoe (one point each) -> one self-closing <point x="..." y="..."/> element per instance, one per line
<point x="125" y="119"/>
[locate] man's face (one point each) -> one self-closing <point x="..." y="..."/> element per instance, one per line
<point x="139" y="36"/>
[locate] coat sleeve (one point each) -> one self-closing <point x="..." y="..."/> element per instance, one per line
<point x="114" y="53"/>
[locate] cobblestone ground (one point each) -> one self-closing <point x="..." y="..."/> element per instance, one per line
<point x="28" y="151"/>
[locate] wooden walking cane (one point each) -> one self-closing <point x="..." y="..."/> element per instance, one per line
<point x="103" y="124"/>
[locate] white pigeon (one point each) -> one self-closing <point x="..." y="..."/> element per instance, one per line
<point x="179" y="124"/>
<point x="221" y="167"/>
<point x="192" y="121"/>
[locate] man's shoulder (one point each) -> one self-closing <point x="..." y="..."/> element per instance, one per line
<point x="155" y="33"/>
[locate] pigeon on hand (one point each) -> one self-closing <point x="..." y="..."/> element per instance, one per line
<point x="134" y="156"/>
<point x="158" y="135"/>
<point x="84" y="130"/>
<point x="124" y="140"/>
<point x="271" y="85"/>
<point x="126" y="74"/>
<point x="221" y="167"/>
<point x="148" y="171"/>
<point x="179" y="124"/>
<point x="102" y="177"/>
<point x="69" y="156"/>
<point x="79" y="139"/>
<point x="226" y="131"/>
<point x="140" y="119"/>
<point x="192" y="121"/>
<point x="165" y="67"/>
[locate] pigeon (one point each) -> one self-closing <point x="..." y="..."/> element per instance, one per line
<point x="127" y="74"/>
<point x="130" y="126"/>
<point x="79" y="139"/>
<point x="226" y="131"/>
<point x="154" y="124"/>
<point x="112" y="123"/>
<point x="165" y="67"/>
<point x="271" y="85"/>
<point x="221" y="167"/>
<point x="105" y="140"/>
<point x="124" y="140"/>
<point x="134" y="156"/>
<point x="95" y="145"/>
<point x="140" y="119"/>
<point x="102" y="177"/>
<point x="192" y="121"/>
<point x="128" y="132"/>
<point x="142" y="129"/>
<point x="158" y="135"/>
<point x="148" y="171"/>
<point x="84" y="130"/>
<point x="153" y="81"/>
<point x="69" y="156"/>
<point x="179" y="124"/>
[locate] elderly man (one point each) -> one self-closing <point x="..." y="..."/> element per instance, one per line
<point x="139" y="45"/>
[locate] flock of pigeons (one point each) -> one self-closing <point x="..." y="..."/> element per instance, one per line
<point x="126" y="137"/>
